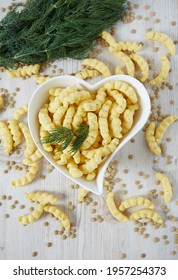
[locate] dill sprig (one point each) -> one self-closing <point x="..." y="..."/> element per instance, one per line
<point x="64" y="136"/>
<point x="46" y="30"/>
<point x="81" y="134"/>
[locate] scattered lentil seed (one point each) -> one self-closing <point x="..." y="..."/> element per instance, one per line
<point x="49" y="244"/>
<point x="156" y="240"/>
<point x="157" y="20"/>
<point x="95" y="203"/>
<point x="130" y="156"/>
<point x="64" y="237"/>
<point x="143" y="256"/>
<point x="156" y="49"/>
<point x="34" y="254"/>
<point x="164" y="237"/>
<point x="139" y="17"/>
<point x="173" y="229"/>
<point x="173" y="23"/>
<point x="123" y="256"/>
<point x="22" y="206"/>
<point x="6" y="216"/>
<point x="152" y="14"/>
<point x="46" y="224"/>
<point x="61" y="232"/>
<point x="125" y="171"/>
<point x="166" y="242"/>
<point x="93" y="219"/>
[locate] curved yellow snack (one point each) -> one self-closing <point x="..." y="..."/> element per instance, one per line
<point x="1" y="100"/>
<point x="151" y="141"/>
<point x="41" y="79"/>
<point x="103" y="122"/>
<point x="60" y="94"/>
<point x="55" y="91"/>
<point x="77" y="157"/>
<point x="143" y="65"/>
<point x="162" y="38"/>
<point x="124" y="88"/>
<point x="127" y="61"/>
<point x="82" y="194"/>
<point x="101" y="150"/>
<point x="80" y="114"/>
<point x="96" y="156"/>
<point x="45" y="119"/>
<point x="96" y="104"/>
<point x="133" y="107"/>
<point x="166" y="186"/>
<point x="59" y="115"/>
<point x="6" y="138"/>
<point x="119" y="71"/>
<point x="74" y="171"/>
<point x="97" y="65"/>
<point x="15" y="131"/>
<point x="69" y="117"/>
<point x="43" y="133"/>
<point x="125" y="46"/>
<point x="86" y="74"/>
<point x="60" y="215"/>
<point x="163" y="126"/>
<point x="165" y="67"/>
<point x="41" y="197"/>
<point x="76" y="98"/>
<point x="115" y="122"/>
<point x="113" y="209"/>
<point x="148" y="214"/>
<point x="28" y="178"/>
<point x="63" y="159"/>
<point x="127" y="121"/>
<point x="35" y="215"/>
<point x="37" y="155"/>
<point x="20" y="112"/>
<point x="136" y="201"/>
<point x="120" y="100"/>
<point x="91" y="176"/>
<point x="30" y="146"/>
<point x="108" y="38"/>
<point x="93" y="131"/>
<point x="24" y="71"/>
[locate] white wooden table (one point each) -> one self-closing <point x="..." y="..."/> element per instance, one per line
<point x="109" y="239"/>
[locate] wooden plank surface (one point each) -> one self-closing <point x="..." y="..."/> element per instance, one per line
<point x="109" y="239"/>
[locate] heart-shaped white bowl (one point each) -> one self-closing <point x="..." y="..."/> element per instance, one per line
<point x="40" y="97"/>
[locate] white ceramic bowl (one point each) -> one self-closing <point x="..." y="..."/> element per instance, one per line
<point x="40" y="97"/>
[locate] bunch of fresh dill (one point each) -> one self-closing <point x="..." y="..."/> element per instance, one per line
<point x="46" y="30"/>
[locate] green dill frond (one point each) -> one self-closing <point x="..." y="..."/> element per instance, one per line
<point x="64" y="136"/>
<point x="81" y="134"/>
<point x="61" y="135"/>
<point x="43" y="30"/>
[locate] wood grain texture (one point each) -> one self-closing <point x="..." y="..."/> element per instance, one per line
<point x="106" y="240"/>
